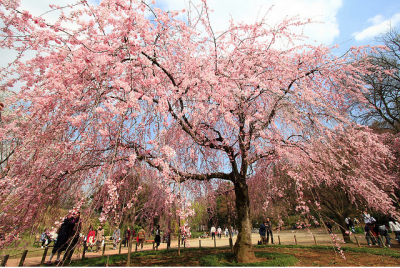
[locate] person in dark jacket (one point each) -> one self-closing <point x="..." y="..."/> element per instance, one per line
<point x="157" y="239"/>
<point x="64" y="234"/>
<point x="268" y="224"/>
<point x="263" y="232"/>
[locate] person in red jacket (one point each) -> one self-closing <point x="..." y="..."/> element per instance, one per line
<point x="91" y="238"/>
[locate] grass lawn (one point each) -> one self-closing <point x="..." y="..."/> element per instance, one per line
<point x="267" y="255"/>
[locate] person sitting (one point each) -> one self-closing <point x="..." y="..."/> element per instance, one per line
<point x="45" y="238"/>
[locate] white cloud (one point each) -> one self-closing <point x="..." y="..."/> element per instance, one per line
<point x="247" y="11"/>
<point x="380" y="26"/>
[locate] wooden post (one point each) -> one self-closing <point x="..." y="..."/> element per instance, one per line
<point x="128" y="263"/>
<point x="199" y="243"/>
<point x="380" y="239"/>
<point x="120" y="245"/>
<point x="84" y="250"/>
<point x="44" y="255"/>
<point x="215" y="242"/>
<point x="358" y="243"/>
<point x="279" y="240"/>
<point x="295" y="239"/>
<point x="21" y="262"/>
<point x="315" y="241"/>
<point x="136" y="246"/>
<point x="154" y="246"/>
<point x="4" y="261"/>
<point x="184" y="244"/>
<point x="104" y="248"/>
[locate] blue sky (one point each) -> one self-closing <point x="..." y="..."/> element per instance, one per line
<point x="345" y="22"/>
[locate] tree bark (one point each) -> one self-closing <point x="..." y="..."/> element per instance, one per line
<point x="343" y="229"/>
<point x="243" y="249"/>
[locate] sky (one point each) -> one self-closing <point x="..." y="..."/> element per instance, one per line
<point x="344" y="22"/>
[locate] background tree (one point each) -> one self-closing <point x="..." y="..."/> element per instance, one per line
<point x="109" y="86"/>
<point x="382" y="109"/>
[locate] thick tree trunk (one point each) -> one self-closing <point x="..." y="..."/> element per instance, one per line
<point x="343" y="229"/>
<point x="243" y="248"/>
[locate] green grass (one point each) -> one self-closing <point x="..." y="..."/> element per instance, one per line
<point x="227" y="259"/>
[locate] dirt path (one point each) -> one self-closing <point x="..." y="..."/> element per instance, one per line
<point x="286" y="237"/>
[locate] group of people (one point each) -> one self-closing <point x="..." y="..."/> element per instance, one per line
<point x="218" y="232"/>
<point x="265" y="231"/>
<point x="376" y="230"/>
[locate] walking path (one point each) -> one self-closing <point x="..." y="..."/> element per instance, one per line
<point x="286" y="237"/>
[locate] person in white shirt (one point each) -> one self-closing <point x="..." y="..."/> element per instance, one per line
<point x="367" y="218"/>
<point x="219" y="232"/>
<point x="395" y="227"/>
<point x="213" y="233"/>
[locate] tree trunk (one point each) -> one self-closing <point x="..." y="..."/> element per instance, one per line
<point x="343" y="229"/>
<point x="243" y="249"/>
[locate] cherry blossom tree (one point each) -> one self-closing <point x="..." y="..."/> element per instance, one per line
<point x="351" y="169"/>
<point x="124" y="82"/>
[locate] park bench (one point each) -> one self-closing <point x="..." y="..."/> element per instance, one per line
<point x="149" y="241"/>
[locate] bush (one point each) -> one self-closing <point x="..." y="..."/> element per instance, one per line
<point x="359" y="230"/>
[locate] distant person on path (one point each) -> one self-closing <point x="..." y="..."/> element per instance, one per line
<point x="381" y="229"/>
<point x="64" y="234"/>
<point x="226" y="232"/>
<point x="116" y="237"/>
<point x="100" y="238"/>
<point x="219" y="232"/>
<point x="368" y="234"/>
<point x="141" y="238"/>
<point x="263" y="232"/>
<point x="213" y="233"/>
<point x="367" y="218"/>
<point x="128" y="236"/>
<point x="329" y="226"/>
<point x="157" y="238"/>
<point x="268" y="224"/>
<point x="395" y="227"/>
<point x="350" y="225"/>
<point x="91" y="238"/>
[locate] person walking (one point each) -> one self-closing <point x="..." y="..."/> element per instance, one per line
<point x="369" y="235"/>
<point x="157" y="238"/>
<point x="116" y="237"/>
<point x="219" y="232"/>
<point x="99" y="238"/>
<point x="263" y="232"/>
<point x="141" y="238"/>
<point x="268" y="224"/>
<point x="128" y="236"/>
<point x="64" y="233"/>
<point x="367" y="218"/>
<point x="213" y="232"/>
<point x="74" y="236"/>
